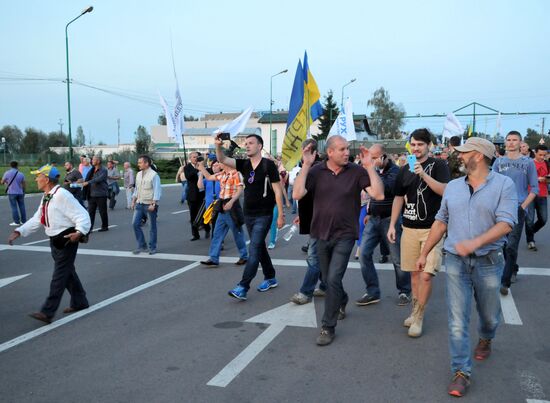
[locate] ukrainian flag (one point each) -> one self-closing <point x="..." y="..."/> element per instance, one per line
<point x="313" y="96"/>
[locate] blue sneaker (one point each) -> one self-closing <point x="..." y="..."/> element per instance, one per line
<point x="238" y="292"/>
<point x="267" y="284"/>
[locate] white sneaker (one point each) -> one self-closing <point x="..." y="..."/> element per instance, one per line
<point x="532" y="246"/>
<point x="318" y="293"/>
<point x="14" y="224"/>
<point x="271" y="245"/>
<point x="300" y="299"/>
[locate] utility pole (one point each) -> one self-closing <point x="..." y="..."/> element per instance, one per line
<point x="60" y="123"/>
<point x="542" y="128"/>
<point x="118" y="132"/>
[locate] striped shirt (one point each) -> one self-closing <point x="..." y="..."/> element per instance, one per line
<point x="229" y="183"/>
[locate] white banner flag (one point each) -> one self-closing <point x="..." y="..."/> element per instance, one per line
<point x="344" y="125"/>
<point x="498" y="126"/>
<point x="179" y="122"/>
<point x="452" y="127"/>
<point x="169" y="119"/>
<point x="236" y="126"/>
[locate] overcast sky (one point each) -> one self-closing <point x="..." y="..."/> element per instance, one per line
<point x="432" y="57"/>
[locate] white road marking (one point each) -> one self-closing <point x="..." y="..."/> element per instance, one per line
<point x="179" y="212"/>
<point x="285" y="315"/>
<point x="46" y="240"/>
<point x="509" y="310"/>
<point x="58" y="323"/>
<point x="8" y="280"/>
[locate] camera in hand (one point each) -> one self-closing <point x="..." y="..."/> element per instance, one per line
<point x="200" y="158"/>
<point x="224" y="136"/>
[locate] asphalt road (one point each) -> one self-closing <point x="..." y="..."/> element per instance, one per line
<point x="162" y="328"/>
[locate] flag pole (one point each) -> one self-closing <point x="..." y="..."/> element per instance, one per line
<point x="177" y="86"/>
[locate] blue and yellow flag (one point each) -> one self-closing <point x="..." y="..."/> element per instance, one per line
<point x="305" y="107"/>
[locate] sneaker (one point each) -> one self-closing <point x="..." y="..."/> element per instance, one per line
<point x="319" y="293"/>
<point x="152" y="251"/>
<point x="138" y="251"/>
<point x="383" y="259"/>
<point x="459" y="384"/>
<point x="14" y="224"/>
<point x="532" y="246"/>
<point x="483" y="349"/>
<point x="342" y="312"/>
<point x="367" y="300"/>
<point x="514" y="278"/>
<point x="209" y="262"/>
<point x="325" y="337"/>
<point x="504" y="290"/>
<point x="305" y="248"/>
<point x="404" y="299"/>
<point x="241" y="262"/>
<point x="300" y="299"/>
<point x="238" y="292"/>
<point x="271" y="245"/>
<point x="267" y="284"/>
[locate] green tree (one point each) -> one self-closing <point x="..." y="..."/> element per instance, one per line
<point x="190" y="118"/>
<point x="162" y="119"/>
<point x="13" y="137"/>
<point x="57" y="139"/>
<point x="80" y="139"/>
<point x="34" y="141"/>
<point x="143" y="140"/>
<point x="330" y="113"/>
<point x="387" y="118"/>
<point x="533" y="137"/>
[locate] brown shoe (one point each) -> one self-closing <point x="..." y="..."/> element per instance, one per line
<point x="459" y="384"/>
<point x="483" y="349"/>
<point x="240" y="262"/>
<point x="41" y="317"/>
<point x="71" y="309"/>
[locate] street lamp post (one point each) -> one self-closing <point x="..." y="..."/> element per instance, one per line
<point x="345" y="85"/>
<point x="4" y="148"/>
<point x="87" y="10"/>
<point x="273" y="149"/>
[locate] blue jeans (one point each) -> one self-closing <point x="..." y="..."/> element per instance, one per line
<point x="258" y="227"/>
<point x="292" y="202"/>
<point x="511" y="249"/>
<point x="333" y="260"/>
<point x="539" y="206"/>
<point x="273" y="230"/>
<point x="313" y="273"/>
<point x="467" y="277"/>
<point x="183" y="192"/>
<point x="362" y="215"/>
<point x="17" y="204"/>
<point x="374" y="234"/>
<point x="140" y="213"/>
<point x="224" y="223"/>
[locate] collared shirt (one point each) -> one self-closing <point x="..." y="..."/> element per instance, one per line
<point x="468" y="213"/>
<point x="336" y="200"/>
<point x="16" y="186"/>
<point x="229" y="183"/>
<point x="63" y="211"/>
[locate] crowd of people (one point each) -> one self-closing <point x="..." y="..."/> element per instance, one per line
<point x="466" y="205"/>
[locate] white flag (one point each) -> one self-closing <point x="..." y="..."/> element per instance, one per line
<point x="498" y="127"/>
<point x="344" y="125"/>
<point x="179" y="123"/>
<point x="169" y="119"/>
<point x="236" y="126"/>
<point x="452" y="127"/>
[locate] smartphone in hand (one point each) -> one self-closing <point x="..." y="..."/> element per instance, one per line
<point x="411" y="160"/>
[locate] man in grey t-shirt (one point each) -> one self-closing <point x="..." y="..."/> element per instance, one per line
<point x="112" y="181"/>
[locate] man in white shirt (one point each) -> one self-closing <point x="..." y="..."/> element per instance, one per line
<point x="291" y="178"/>
<point x="65" y="221"/>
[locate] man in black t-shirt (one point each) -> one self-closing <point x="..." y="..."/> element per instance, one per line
<point x="336" y="185"/>
<point x="422" y="190"/>
<point x="73" y="181"/>
<point x="262" y="191"/>
<point x="195" y="196"/>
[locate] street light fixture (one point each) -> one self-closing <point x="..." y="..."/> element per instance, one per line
<point x="4" y="148"/>
<point x="345" y="85"/>
<point x="273" y="149"/>
<point x="87" y="10"/>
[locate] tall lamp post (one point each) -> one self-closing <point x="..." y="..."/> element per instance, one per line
<point x="4" y="148"/>
<point x="273" y="149"/>
<point x="345" y="85"/>
<point x="87" y="10"/>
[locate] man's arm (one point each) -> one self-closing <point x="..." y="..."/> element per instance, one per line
<point x="308" y="158"/>
<point x="277" y="188"/>
<point x="437" y="187"/>
<point x="396" y="208"/>
<point x="376" y="188"/>
<point x="229" y="205"/>
<point x="533" y="183"/>
<point x="230" y="162"/>
<point x="100" y="176"/>
<point x="468" y="246"/>
<point x="157" y="189"/>
<point x="207" y="175"/>
<point x="436" y="233"/>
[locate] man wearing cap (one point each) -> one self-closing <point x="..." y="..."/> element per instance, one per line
<point x="476" y="212"/>
<point x="65" y="221"/>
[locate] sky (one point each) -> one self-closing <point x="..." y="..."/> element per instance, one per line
<point x="432" y="57"/>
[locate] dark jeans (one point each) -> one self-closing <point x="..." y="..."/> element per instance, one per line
<point x="18" y="212"/>
<point x="64" y="276"/>
<point x="113" y="192"/>
<point x="374" y="234"/>
<point x="511" y="249"/>
<point x="194" y="207"/>
<point x="313" y="273"/>
<point x="101" y="204"/>
<point x="539" y="206"/>
<point x="333" y="261"/>
<point x="258" y="227"/>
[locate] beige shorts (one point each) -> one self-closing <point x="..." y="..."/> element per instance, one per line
<point x="412" y="242"/>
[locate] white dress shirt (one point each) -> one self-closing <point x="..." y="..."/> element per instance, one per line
<point x="63" y="212"/>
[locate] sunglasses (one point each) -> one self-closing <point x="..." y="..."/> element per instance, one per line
<point x="251" y="177"/>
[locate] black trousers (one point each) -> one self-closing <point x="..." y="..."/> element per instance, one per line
<point x="64" y="277"/>
<point x="194" y="207"/>
<point x="100" y="203"/>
